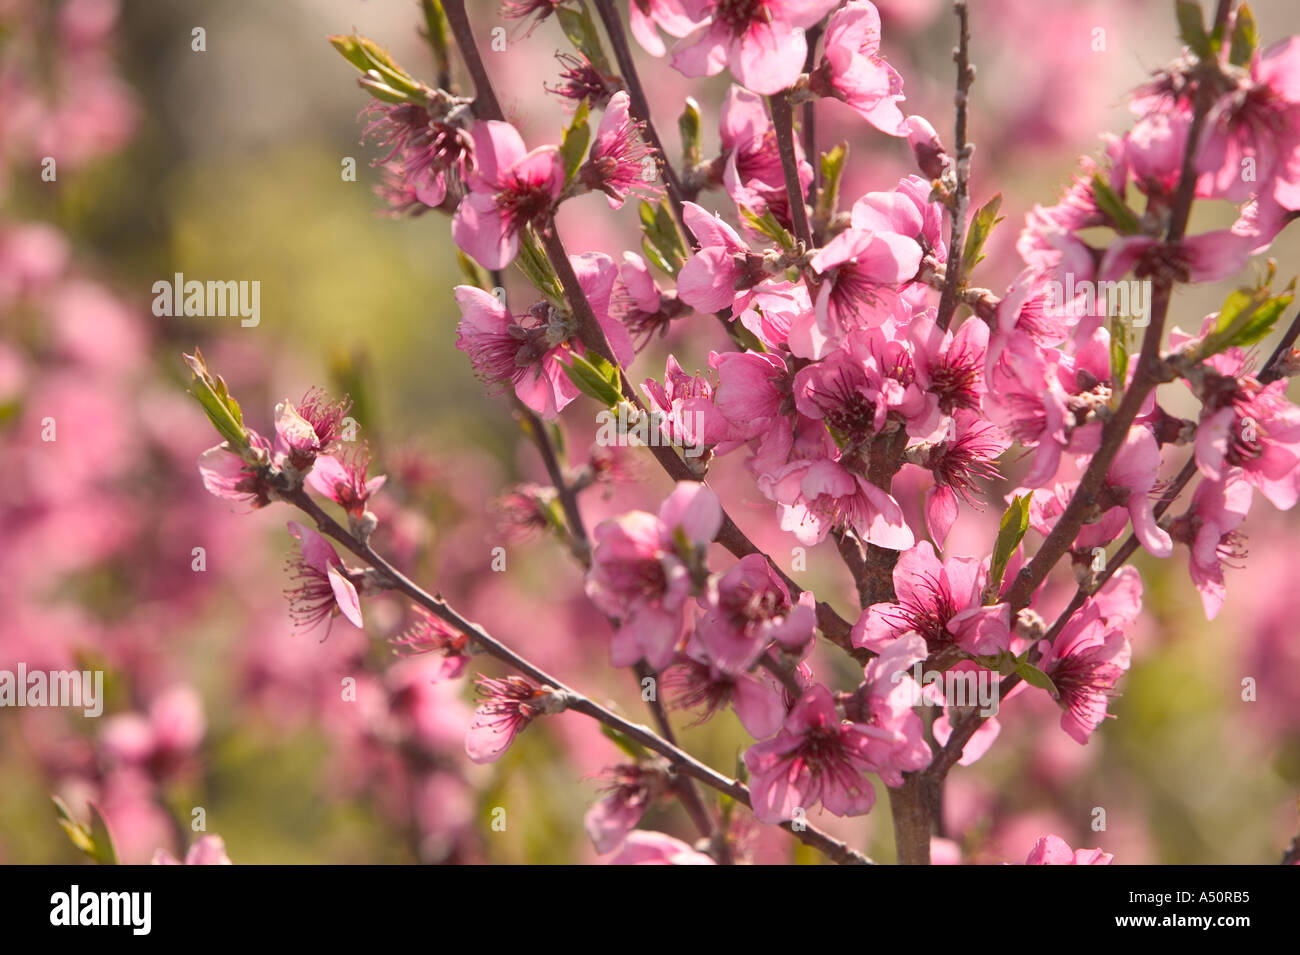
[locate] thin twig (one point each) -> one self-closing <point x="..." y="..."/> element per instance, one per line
<point x="678" y="759"/>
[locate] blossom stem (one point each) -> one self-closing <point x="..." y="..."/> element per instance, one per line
<point x="679" y="760"/>
<point x="833" y="626"/>
<point x="536" y="429"/>
<point x="808" y="119"/>
<point x="640" y="105"/>
<point x="485" y="100"/>
<point x="1145" y="378"/>
<point x="963" y="150"/>
<point x="783" y="122"/>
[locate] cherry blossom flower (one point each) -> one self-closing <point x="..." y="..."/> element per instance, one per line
<point x="1053" y="850"/>
<point x="761" y="41"/>
<point x="695" y="681"/>
<point x="620" y="159"/>
<point x="506" y="707"/>
<point x="208" y="850"/>
<point x="324" y="590"/>
<point x="854" y="71"/>
<point x="1085" y="662"/>
<point x="748" y="608"/>
<point x="940" y="600"/>
<point x="654" y="848"/>
<point x="1209" y="528"/>
<point x="640" y="574"/>
<point x="232" y="477"/>
<point x="509" y="189"/>
<point x="631" y="789"/>
<point x="722" y="272"/>
<point x="816" y="757"/>
<point x="342" y="477"/>
<point x="424" y="154"/>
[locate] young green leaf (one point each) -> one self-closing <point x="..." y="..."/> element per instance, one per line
<point x="1245" y="37"/>
<point x="577" y="24"/>
<point x="981" y="228"/>
<point x="1191" y="27"/>
<point x="576" y="137"/>
<point x="595" y="378"/>
<point x="1124" y="219"/>
<point x="1015" y="522"/>
<point x="689" y="125"/>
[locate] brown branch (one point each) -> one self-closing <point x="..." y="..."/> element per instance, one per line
<point x="962" y="150"/>
<point x="783" y="122"/>
<point x="485" y="100"/>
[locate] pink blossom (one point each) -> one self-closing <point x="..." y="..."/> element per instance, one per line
<point x="654" y="848"/>
<point x="323" y="589"/>
<point x="861" y="271"/>
<point x="640" y="574"/>
<point x="631" y="789"/>
<point x="748" y="608"/>
<point x="509" y="189"/>
<point x="1209" y="528"/>
<point x="753" y="391"/>
<point x="342" y="478"/>
<point x="761" y="41"/>
<point x="208" y="850"/>
<point x="667" y="15"/>
<point x="690" y="417"/>
<point x="620" y="158"/>
<point x="1085" y="662"/>
<point x="965" y="454"/>
<point x="695" y="681"/>
<point x="233" y="478"/>
<point x="722" y="272"/>
<point x="888" y="703"/>
<point x="506" y="707"/>
<point x="423" y="153"/>
<point x="752" y="174"/>
<point x="940" y="600"/>
<point x="1053" y="850"/>
<point x="815" y="495"/>
<point x="1251" y="426"/>
<point x="816" y="757"/>
<point x="854" y="71"/>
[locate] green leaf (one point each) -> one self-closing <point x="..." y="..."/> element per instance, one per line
<point x="1123" y="218"/>
<point x="1015" y="522"/>
<point x="532" y="261"/>
<point x="1118" y="358"/>
<point x="1245" y="37"/>
<point x="578" y="26"/>
<point x="659" y="230"/>
<point x="828" y="197"/>
<point x="1191" y="27"/>
<point x="474" y="275"/>
<point x="981" y="228"/>
<point x="95" y="841"/>
<point x="222" y="409"/>
<point x="437" y="32"/>
<point x="688" y="124"/>
<point x="595" y="378"/>
<point x="350" y="49"/>
<point x="625" y="743"/>
<point x="1036" y="677"/>
<point x="767" y="225"/>
<point x="1245" y="318"/>
<point x="574" y="145"/>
